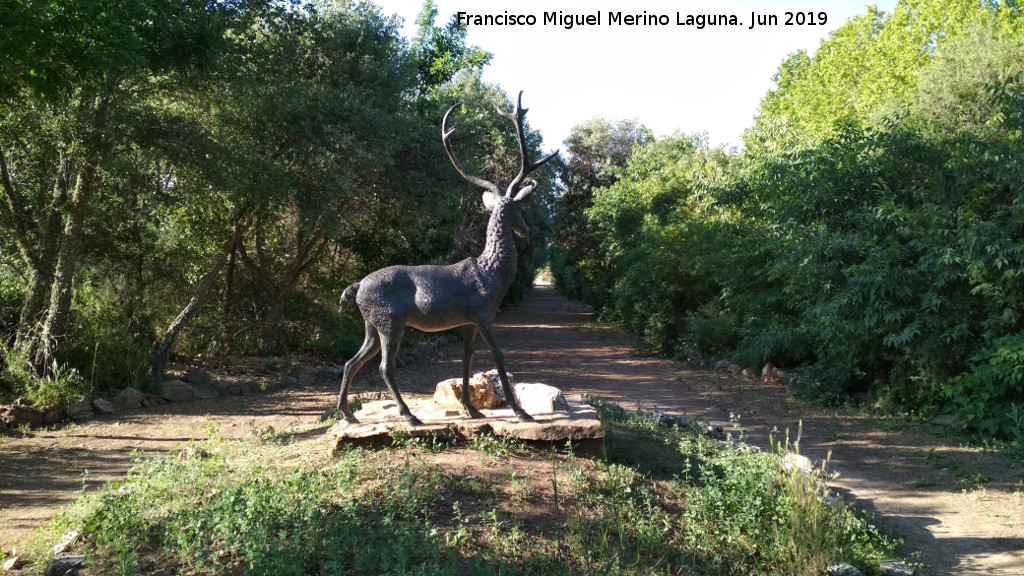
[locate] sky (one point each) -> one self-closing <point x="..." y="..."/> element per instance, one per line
<point x="670" y="77"/>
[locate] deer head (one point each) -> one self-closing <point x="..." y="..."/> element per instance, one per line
<point x="495" y="197"/>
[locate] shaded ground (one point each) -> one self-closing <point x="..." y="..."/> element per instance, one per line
<point x="922" y="484"/>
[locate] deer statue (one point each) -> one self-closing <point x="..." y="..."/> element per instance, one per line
<point x="435" y="298"/>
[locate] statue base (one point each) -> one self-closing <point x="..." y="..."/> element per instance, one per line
<point x="378" y="424"/>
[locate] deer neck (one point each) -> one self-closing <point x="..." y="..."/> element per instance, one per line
<point x="500" y="257"/>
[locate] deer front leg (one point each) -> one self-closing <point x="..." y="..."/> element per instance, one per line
<point x="371" y="344"/>
<point x="390" y="342"/>
<point x="486" y="331"/>
<point x="467" y="363"/>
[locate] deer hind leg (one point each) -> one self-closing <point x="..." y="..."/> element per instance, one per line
<point x="371" y="344"/>
<point x="467" y="364"/>
<point x="499" y="362"/>
<point x="391" y="340"/>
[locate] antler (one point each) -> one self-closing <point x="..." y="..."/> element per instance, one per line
<point x="517" y="116"/>
<point x="445" y="135"/>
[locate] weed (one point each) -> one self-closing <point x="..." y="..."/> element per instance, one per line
<point x="496" y="446"/>
<point x="219" y="507"/>
<point x="835" y="431"/>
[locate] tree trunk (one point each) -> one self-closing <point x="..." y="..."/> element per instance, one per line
<point x="163" y="351"/>
<point x="308" y="249"/>
<point x="268" y="335"/>
<point x="52" y="333"/>
<point x="47" y="342"/>
<point x="39" y="262"/>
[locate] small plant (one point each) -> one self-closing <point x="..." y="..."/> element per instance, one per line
<point x="58" y="386"/>
<point x="835" y="429"/>
<point x="496" y="446"/>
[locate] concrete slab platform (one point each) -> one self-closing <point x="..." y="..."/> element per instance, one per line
<point x="377" y="422"/>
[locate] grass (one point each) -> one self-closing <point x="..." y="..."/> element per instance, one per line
<point x="664" y="501"/>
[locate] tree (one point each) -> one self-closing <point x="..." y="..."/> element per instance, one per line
<point x="866" y="70"/>
<point x="441" y="53"/>
<point x="80" y="77"/>
<point x="597" y="150"/>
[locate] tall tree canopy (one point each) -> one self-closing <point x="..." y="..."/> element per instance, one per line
<point x="205" y="176"/>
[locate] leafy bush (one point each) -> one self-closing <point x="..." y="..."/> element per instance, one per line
<point x="989" y="397"/>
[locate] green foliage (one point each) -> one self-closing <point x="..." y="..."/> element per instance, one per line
<point x="57" y="387"/>
<point x="596" y="150"/>
<point x="989" y="397"/>
<point x="869" y="65"/>
<point x="871" y="235"/>
<point x="441" y="54"/>
<point x="311" y="125"/>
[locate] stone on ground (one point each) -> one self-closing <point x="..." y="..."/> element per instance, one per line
<point x="482" y="393"/>
<point x="80" y="409"/>
<point x="103" y="406"/>
<point x="129" y="399"/>
<point x="539" y="398"/>
<point x="16" y="415"/>
<point x="175" y="391"/>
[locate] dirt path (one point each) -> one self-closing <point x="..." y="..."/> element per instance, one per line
<point x="922" y="484"/>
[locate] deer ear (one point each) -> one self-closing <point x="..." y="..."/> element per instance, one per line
<point x="490" y="200"/>
<point x="525" y="191"/>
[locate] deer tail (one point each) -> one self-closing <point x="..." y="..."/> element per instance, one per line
<point x="348" y="296"/>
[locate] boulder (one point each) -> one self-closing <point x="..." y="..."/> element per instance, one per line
<point x="16" y="415"/>
<point x="799" y="462"/>
<point x="496" y="380"/>
<point x="103" y="406"/>
<point x="205" y="393"/>
<point x="65" y="566"/>
<point x="288" y="381"/>
<point x="768" y="374"/>
<point x="734" y="369"/>
<point x="67" y="541"/>
<point x="250" y="386"/>
<point x="80" y="409"/>
<point x="197" y="378"/>
<point x="129" y="399"/>
<point x="153" y="400"/>
<point x="721" y="366"/>
<point x="539" y="398"/>
<point x="15" y="563"/>
<point x="53" y="414"/>
<point x="448" y="394"/>
<point x="228" y="387"/>
<point x="175" y="391"/>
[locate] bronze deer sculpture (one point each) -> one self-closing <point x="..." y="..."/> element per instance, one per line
<point x="434" y="298"/>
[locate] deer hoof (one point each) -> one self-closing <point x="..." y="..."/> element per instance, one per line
<point x="413" y="421"/>
<point x="524" y="417"/>
<point x="473" y="412"/>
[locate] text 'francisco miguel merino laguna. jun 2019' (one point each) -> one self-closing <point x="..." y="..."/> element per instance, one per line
<point x="613" y="18"/>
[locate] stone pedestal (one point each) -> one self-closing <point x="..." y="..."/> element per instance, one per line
<point x="378" y="421"/>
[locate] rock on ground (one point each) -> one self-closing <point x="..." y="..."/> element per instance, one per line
<point x="129" y="399"/>
<point x="482" y="394"/>
<point x="175" y="391"/>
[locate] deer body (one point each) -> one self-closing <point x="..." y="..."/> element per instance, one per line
<point x="434" y="298"/>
